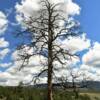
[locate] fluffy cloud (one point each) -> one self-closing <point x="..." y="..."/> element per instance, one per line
<point x="72" y="8"/>
<point x="4" y="52"/>
<point x="91" y="63"/>
<point x="26" y="74"/>
<point x="36" y="60"/>
<point x="12" y="79"/>
<point x="8" y="79"/>
<point x="3" y="43"/>
<point x="28" y="8"/>
<point x="3" y="22"/>
<point x="92" y="57"/>
<point x="83" y="73"/>
<point x="12" y="76"/>
<point x="5" y="65"/>
<point x="76" y="44"/>
<point x="36" y="63"/>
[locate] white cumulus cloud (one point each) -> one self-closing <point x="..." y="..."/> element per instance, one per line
<point x="76" y="44"/>
<point x="5" y="65"/>
<point x="3" y="22"/>
<point x="3" y="43"/>
<point x="72" y="8"/>
<point x="92" y="57"/>
<point x="28" y="8"/>
<point x="4" y="48"/>
<point x="4" y="52"/>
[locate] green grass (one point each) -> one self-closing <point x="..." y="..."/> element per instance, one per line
<point x="30" y="93"/>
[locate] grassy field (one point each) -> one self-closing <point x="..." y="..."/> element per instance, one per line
<point x="93" y="95"/>
<point x="30" y="93"/>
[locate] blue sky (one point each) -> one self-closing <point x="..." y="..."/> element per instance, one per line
<point x="89" y="19"/>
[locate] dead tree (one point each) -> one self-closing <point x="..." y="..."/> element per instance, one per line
<point x="85" y="80"/>
<point x="45" y="31"/>
<point x="71" y="81"/>
<point x="74" y="83"/>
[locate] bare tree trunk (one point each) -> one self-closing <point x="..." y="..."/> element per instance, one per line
<point x="50" y="69"/>
<point x="50" y="56"/>
<point x="50" y="94"/>
<point x="75" y="89"/>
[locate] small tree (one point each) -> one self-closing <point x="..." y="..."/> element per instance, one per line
<point x="46" y="33"/>
<point x="75" y="76"/>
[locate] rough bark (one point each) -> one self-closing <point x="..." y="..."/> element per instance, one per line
<point x="50" y="60"/>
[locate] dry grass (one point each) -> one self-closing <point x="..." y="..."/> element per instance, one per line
<point x="93" y="96"/>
